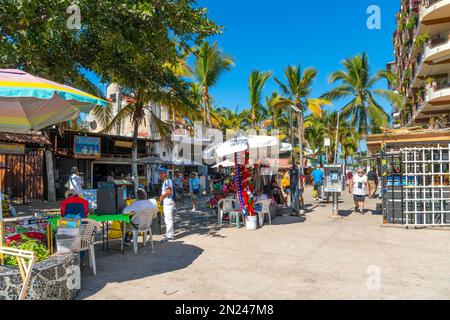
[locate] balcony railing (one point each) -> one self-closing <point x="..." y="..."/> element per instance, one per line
<point x="429" y="3"/>
<point x="441" y="86"/>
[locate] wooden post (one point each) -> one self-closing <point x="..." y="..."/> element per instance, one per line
<point x="1" y="237"/>
<point x="24" y="267"/>
<point x="1" y="225"/>
<point x="51" y="193"/>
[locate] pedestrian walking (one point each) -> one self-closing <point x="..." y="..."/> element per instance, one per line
<point x="75" y="182"/>
<point x="178" y="187"/>
<point x="194" y="189"/>
<point x="168" y="203"/>
<point x="318" y="177"/>
<point x="358" y="187"/>
<point x="372" y="179"/>
<point x="286" y="187"/>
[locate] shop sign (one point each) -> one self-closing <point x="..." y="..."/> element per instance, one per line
<point x="7" y="148"/>
<point x="86" y="147"/>
<point x="124" y="144"/>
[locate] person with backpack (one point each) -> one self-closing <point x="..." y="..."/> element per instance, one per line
<point x="194" y="189"/>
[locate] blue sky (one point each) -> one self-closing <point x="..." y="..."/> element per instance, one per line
<point x="269" y="35"/>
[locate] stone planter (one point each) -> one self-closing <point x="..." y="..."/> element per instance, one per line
<point x="57" y="278"/>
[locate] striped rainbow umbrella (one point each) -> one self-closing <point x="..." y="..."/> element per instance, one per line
<point x="29" y="103"/>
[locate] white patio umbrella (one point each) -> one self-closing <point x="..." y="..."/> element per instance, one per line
<point x="226" y="164"/>
<point x="243" y="143"/>
<point x="285" y="147"/>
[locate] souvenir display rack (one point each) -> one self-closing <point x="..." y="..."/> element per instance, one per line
<point x="416" y="185"/>
<point x="392" y="177"/>
<point x="426" y="186"/>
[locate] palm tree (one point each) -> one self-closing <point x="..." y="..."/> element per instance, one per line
<point x="296" y="93"/>
<point x="275" y="115"/>
<point x="398" y="100"/>
<point x="229" y="119"/>
<point x="357" y="83"/>
<point x="349" y="139"/>
<point x="174" y="94"/>
<point x="256" y="84"/>
<point x="210" y="64"/>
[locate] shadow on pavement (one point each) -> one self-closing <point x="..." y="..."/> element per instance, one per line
<point x="345" y="213"/>
<point x="202" y="222"/>
<point x="284" y="220"/>
<point x="118" y="268"/>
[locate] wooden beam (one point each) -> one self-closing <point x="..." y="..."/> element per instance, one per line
<point x="436" y="21"/>
<point x="378" y="139"/>
<point x="437" y="63"/>
<point x="435" y="112"/>
<point x="440" y="103"/>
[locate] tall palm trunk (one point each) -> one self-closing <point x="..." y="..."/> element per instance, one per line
<point x="302" y="135"/>
<point x="134" y="152"/>
<point x="206" y="111"/>
<point x="253" y="118"/>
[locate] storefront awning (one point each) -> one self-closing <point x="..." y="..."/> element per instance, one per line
<point x="24" y="138"/>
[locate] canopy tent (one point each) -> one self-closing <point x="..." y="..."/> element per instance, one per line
<point x="153" y="160"/>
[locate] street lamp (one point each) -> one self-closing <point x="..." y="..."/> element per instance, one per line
<point x="337" y="143"/>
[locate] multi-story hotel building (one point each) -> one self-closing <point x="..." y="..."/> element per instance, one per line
<point x="422" y="63"/>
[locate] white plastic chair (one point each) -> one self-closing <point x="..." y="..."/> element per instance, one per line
<point x="143" y="221"/>
<point x="87" y="241"/>
<point x="226" y="205"/>
<point x="265" y="204"/>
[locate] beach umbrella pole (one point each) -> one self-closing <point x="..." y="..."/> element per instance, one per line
<point x="1" y="225"/>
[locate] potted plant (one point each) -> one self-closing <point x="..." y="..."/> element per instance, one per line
<point x="421" y="40"/>
<point x="412" y="22"/>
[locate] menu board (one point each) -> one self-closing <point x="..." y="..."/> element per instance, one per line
<point x="86" y="147"/>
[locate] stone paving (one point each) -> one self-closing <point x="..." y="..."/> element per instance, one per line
<point x="311" y="257"/>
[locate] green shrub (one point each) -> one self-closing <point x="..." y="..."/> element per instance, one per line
<point x="40" y="250"/>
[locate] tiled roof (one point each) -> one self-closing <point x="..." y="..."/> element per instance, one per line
<point x="23" y="138"/>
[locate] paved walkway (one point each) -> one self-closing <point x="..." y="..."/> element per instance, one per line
<point x="295" y="258"/>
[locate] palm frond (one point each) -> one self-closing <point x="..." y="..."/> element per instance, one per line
<point x="126" y="112"/>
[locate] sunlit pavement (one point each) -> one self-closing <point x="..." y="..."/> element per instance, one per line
<point x="316" y="257"/>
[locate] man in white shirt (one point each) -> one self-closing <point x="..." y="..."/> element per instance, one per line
<point x="168" y="203"/>
<point x="140" y="205"/>
<point x="358" y="186"/>
<point x="75" y="181"/>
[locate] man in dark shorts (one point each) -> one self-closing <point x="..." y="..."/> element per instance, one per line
<point x="318" y="177"/>
<point x="358" y="186"/>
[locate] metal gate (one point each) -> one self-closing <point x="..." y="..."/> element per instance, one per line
<point x="22" y="176"/>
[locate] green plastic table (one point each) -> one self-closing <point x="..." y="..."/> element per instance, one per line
<point x="125" y="218"/>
